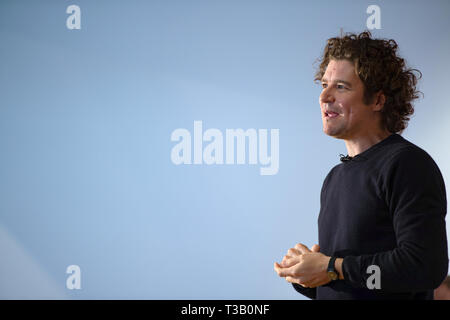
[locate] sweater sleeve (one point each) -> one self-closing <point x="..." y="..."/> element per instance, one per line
<point x="307" y="292"/>
<point x="414" y="192"/>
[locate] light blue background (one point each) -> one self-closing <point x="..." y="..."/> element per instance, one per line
<point x="85" y="123"/>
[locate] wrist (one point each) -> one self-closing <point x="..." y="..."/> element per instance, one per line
<point x="338" y="266"/>
<point x="332" y="273"/>
<point x="334" y="268"/>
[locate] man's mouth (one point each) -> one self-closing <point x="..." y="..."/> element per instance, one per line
<point x="331" y="114"/>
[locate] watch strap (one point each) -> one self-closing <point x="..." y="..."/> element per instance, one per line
<point x="331" y="267"/>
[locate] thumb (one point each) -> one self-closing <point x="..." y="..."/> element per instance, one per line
<point x="315" y="248"/>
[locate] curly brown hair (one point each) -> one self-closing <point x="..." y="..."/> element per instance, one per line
<point x="379" y="68"/>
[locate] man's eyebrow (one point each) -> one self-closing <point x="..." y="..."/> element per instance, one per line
<point x="338" y="81"/>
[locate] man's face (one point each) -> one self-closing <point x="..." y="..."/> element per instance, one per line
<point x="344" y="114"/>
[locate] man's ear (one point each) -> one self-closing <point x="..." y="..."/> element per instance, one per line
<point x="380" y="99"/>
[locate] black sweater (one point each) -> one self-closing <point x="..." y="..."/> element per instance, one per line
<point x="384" y="207"/>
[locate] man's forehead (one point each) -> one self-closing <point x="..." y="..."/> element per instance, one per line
<point x="342" y="69"/>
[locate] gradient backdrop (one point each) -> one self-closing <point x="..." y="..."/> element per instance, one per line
<point x="85" y="122"/>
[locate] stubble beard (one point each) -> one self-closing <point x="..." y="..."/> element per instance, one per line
<point x="333" y="130"/>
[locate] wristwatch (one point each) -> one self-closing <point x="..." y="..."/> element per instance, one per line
<point x="331" y="270"/>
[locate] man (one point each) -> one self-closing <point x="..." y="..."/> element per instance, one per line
<point x="443" y="291"/>
<point x="382" y="216"/>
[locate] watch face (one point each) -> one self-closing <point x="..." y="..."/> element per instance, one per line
<point x="332" y="275"/>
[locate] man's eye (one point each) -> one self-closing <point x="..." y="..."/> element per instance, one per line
<point x="340" y="86"/>
<point x="324" y="85"/>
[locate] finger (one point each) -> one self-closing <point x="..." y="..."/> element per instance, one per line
<point x="284" y="272"/>
<point x="289" y="262"/>
<point x="297" y="281"/>
<point x="285" y="258"/>
<point x="315" y="248"/>
<point x="302" y="248"/>
<point x="293" y="279"/>
<point x="303" y="285"/>
<point x="301" y="281"/>
<point x="293" y="252"/>
<point x="277" y="268"/>
<point x="276" y="265"/>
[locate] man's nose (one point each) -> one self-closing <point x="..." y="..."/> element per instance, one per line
<point x="327" y="95"/>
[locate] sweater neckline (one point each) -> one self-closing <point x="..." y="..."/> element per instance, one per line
<point x="364" y="155"/>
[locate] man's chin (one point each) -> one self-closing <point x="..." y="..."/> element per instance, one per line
<point x="332" y="133"/>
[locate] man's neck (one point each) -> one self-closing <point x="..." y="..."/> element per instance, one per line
<point x="361" y="143"/>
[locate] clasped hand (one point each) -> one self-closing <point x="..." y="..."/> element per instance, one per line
<point x="305" y="267"/>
